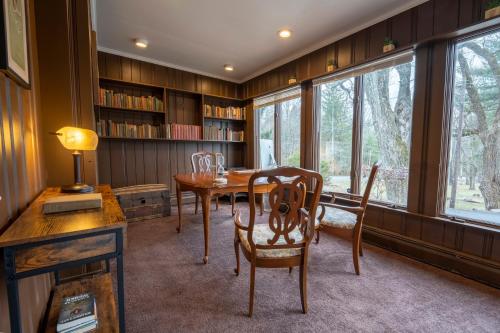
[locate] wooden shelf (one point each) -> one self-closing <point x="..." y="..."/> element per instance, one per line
<point x="102" y="288"/>
<point x="129" y="110"/>
<point x="147" y="85"/>
<point x="127" y="138"/>
<point x="225" y="119"/>
<point x="163" y="139"/>
<point x="130" y="83"/>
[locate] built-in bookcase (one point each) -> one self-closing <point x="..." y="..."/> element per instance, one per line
<point x="148" y="132"/>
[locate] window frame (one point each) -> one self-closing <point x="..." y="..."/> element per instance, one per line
<point x="277" y="128"/>
<point x="447" y="124"/>
<point x="357" y="130"/>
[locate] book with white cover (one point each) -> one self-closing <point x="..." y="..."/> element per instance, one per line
<point x="65" y="203"/>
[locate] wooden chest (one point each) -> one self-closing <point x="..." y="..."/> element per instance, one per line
<point x="141" y="202"/>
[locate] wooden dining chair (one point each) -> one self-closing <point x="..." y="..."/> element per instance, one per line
<point x="284" y="240"/>
<point x="202" y="162"/>
<point x="334" y="216"/>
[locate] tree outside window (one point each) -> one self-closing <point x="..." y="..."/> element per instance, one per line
<point x="473" y="184"/>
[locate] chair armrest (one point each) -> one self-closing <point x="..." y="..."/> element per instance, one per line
<point x="354" y="202"/>
<point x="237" y="221"/>
<point x="355" y="210"/>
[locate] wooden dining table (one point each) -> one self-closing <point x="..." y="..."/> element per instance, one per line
<point x="204" y="185"/>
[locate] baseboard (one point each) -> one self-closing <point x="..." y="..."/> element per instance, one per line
<point x="479" y="269"/>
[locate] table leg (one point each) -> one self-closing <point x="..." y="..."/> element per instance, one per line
<point x="119" y="279"/>
<point x="205" y="204"/>
<point x="12" y="291"/>
<point x="179" y="206"/>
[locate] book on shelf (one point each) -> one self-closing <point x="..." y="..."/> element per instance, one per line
<point x="120" y="100"/>
<point x="222" y="134"/>
<point x="230" y="112"/>
<point x="77" y="314"/>
<point x="126" y="130"/>
<point x="183" y="132"/>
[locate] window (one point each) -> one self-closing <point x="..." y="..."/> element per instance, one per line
<point x="386" y="131"/>
<point x="336" y="121"/>
<point x="278" y="128"/>
<point x="473" y="182"/>
<point x="367" y="112"/>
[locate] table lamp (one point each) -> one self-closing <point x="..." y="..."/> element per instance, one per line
<point x="77" y="139"/>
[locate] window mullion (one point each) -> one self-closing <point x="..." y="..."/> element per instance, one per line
<point x="356" y="135"/>
<point x="277" y="133"/>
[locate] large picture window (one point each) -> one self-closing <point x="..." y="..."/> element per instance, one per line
<point x="337" y="109"/>
<point x="278" y="121"/>
<point x="473" y="182"/>
<point x="386" y="131"/>
<point x="365" y="117"/>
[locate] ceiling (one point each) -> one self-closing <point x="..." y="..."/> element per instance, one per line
<point x="203" y="35"/>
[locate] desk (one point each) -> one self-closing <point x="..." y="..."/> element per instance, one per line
<point x="36" y="244"/>
<point x="203" y="185"/>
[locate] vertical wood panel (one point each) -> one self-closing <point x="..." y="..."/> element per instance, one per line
<point x="445" y="16"/>
<point x="425" y="20"/>
<point x="378" y="33"/>
<point x="360" y="46"/>
<point x="401" y="29"/>
<point x="104" y="164"/>
<point x="345" y="52"/>
<point x="118" y="165"/>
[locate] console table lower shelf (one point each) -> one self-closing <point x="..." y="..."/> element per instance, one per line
<point x="102" y="288"/>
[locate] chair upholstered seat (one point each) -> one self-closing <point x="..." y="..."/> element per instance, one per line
<point x="261" y="233"/>
<point x="338" y="218"/>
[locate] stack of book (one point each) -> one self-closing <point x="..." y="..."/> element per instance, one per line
<point x="222" y="134"/>
<point x="126" y="130"/>
<point x="230" y="112"/>
<point x="120" y="100"/>
<point x="183" y="132"/>
<point x="78" y="314"/>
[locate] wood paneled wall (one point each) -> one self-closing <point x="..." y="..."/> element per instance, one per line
<point x="419" y="232"/>
<point x="22" y="178"/>
<point x="122" y="68"/>
<point x="426" y="21"/>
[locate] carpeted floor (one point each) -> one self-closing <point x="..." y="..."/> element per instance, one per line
<point x="168" y="289"/>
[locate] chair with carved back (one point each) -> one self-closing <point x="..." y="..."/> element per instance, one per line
<point x="202" y="162"/>
<point x="283" y="241"/>
<point x="334" y="216"/>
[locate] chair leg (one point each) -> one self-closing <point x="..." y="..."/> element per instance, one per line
<point x="237" y="253"/>
<point x="290" y="270"/>
<point x="252" y="288"/>
<point x="196" y="204"/>
<point x="360" y="247"/>
<point x="303" y="287"/>
<point x="317" y="236"/>
<point x="261" y="205"/>
<point x="355" y="249"/>
<point x="233" y="201"/>
<point x="216" y="203"/>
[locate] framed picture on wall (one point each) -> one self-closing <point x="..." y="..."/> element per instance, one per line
<point x="14" y="41"/>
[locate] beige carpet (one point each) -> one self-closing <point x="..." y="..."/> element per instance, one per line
<point x="168" y="289"/>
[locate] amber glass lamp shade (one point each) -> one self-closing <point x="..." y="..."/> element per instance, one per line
<point x="77" y="139"/>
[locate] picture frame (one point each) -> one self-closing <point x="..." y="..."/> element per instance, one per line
<point x="14" y="53"/>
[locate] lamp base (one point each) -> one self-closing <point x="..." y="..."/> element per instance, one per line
<point x="77" y="188"/>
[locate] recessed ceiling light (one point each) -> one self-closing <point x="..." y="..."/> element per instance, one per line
<point x="285" y="33"/>
<point x="142" y="43"/>
<point x="228" y="67"/>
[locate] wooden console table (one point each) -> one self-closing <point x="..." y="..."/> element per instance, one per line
<point x="204" y="185"/>
<point x="36" y="244"/>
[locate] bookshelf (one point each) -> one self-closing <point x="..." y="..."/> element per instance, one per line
<point x="151" y="144"/>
